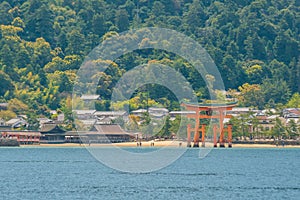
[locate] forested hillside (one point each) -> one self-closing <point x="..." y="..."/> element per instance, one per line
<point x="254" y="43"/>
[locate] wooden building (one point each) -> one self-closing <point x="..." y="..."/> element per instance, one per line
<point x="102" y="133"/>
<point x="51" y="133"/>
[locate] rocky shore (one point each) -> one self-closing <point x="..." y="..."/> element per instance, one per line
<point x="273" y="142"/>
<point x="8" y="142"/>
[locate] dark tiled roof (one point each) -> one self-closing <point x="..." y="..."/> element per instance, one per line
<point x="212" y="104"/>
<point x="51" y="128"/>
<point x="108" y="129"/>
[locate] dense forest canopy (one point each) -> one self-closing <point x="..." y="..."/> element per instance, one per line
<point x="254" y="43"/>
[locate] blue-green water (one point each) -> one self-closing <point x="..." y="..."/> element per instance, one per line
<point x="72" y="173"/>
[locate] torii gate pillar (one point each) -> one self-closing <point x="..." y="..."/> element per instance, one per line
<point x="203" y="134"/>
<point x="229" y="127"/>
<point x="189" y="135"/>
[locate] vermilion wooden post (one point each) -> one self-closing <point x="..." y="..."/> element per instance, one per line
<point x="189" y="135"/>
<point x="221" y="128"/>
<point x="229" y="135"/>
<point x="196" y="133"/>
<point x="203" y="134"/>
<point x="215" y="135"/>
<point x="222" y="138"/>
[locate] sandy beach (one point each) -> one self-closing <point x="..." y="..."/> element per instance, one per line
<point x="171" y="144"/>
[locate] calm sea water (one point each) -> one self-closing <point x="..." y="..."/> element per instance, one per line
<point x="72" y="173"/>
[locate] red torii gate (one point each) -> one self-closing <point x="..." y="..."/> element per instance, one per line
<point x="212" y="111"/>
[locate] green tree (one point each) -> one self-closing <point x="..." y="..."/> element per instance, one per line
<point x="43" y="78"/>
<point x="294" y="102"/>
<point x="44" y="20"/>
<point x="194" y="17"/>
<point x="276" y="90"/>
<point x="7" y="114"/>
<point x="286" y="47"/>
<point x="122" y="20"/>
<point x="166" y="130"/>
<point x="251" y="95"/>
<point x="42" y="54"/>
<point x="279" y="70"/>
<point x="6" y="56"/>
<point x="158" y="9"/>
<point x="6" y="83"/>
<point x="231" y="72"/>
<point x="292" y="129"/>
<point x="40" y="39"/>
<point x="5" y="16"/>
<point x="17" y="106"/>
<point x="255" y="49"/>
<point x="255" y="74"/>
<point x="98" y="23"/>
<point x="278" y="130"/>
<point x="22" y="58"/>
<point x="18" y="22"/>
<point x="75" y="43"/>
<point x="65" y="84"/>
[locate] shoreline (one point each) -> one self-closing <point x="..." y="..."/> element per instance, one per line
<point x="166" y="144"/>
